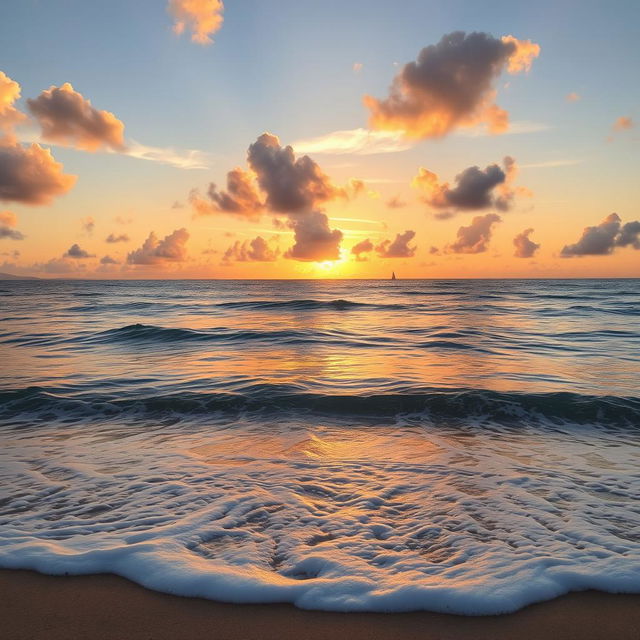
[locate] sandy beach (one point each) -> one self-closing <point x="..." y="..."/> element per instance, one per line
<point x="106" y="607"/>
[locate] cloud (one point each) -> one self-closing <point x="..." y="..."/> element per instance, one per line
<point x="9" y="93"/>
<point x="178" y="158"/>
<point x="602" y="239"/>
<point x="241" y="197"/>
<point x="357" y="67"/>
<point x="6" y="231"/>
<point x="108" y="260"/>
<point x="256" y="250"/>
<point x="280" y="183"/>
<point x="76" y="252"/>
<point x="629" y="235"/>
<point x="475" y="237"/>
<point x="31" y="175"/>
<point x="292" y="185"/>
<point x="396" y="203"/>
<point x="573" y="97"/>
<point x="68" y="118"/>
<point x="112" y="238"/>
<point x="171" y="248"/>
<point x="202" y="17"/>
<point x="622" y="123"/>
<point x="314" y="240"/>
<point x="525" y="248"/>
<point x="524" y="55"/>
<point x="399" y="248"/>
<point x="474" y="189"/>
<point x="8" y="218"/>
<point x="365" y="246"/>
<point x="58" y="266"/>
<point x="88" y="225"/>
<point x="354" y="141"/>
<point x="451" y="85"/>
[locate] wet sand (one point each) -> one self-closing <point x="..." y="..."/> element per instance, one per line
<point x="34" y="606"/>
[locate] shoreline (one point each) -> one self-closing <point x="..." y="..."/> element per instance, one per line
<point x="107" y="607"/>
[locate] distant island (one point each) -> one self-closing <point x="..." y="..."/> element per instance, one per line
<point x="10" y="276"/>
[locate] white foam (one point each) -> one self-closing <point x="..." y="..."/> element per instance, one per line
<point x="394" y="518"/>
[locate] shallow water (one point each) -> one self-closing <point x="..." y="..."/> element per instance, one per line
<point x="465" y="446"/>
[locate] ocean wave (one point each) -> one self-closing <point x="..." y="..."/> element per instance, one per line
<point x="304" y="304"/>
<point x="459" y="406"/>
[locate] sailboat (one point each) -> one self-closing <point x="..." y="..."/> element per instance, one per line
<point x="393" y="275"/>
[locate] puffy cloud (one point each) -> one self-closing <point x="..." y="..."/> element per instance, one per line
<point x="8" y="221"/>
<point x="9" y="93"/>
<point x="88" y="225"/>
<point x="108" y="260"/>
<point x="451" y="85"/>
<point x="8" y="218"/>
<point x="13" y="234"/>
<point x="59" y="266"/>
<point x="241" y="197"/>
<point x="602" y="239"/>
<point x="573" y="97"/>
<point x="295" y="187"/>
<point x="357" y="67"/>
<point x="523" y="56"/>
<point x="66" y="117"/>
<point x="31" y="175"/>
<point x="112" y="238"/>
<point x="292" y="185"/>
<point x="76" y="252"/>
<point x="396" y="203"/>
<point x="629" y="235"/>
<point x="171" y="248"/>
<point x="475" y="237"/>
<point x="256" y="250"/>
<point x="474" y="188"/>
<point x="314" y="240"/>
<point x="399" y="248"/>
<point x="202" y="17"/>
<point x="365" y="246"/>
<point x="623" y="123"/>
<point x="525" y="248"/>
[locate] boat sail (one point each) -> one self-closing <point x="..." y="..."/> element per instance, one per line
<point x="393" y="275"/>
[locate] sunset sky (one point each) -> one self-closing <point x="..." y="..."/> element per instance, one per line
<point x="149" y="139"/>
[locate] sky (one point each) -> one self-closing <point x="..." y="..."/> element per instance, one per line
<point x="300" y="139"/>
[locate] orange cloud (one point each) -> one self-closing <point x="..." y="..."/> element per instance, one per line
<point x="31" y="175"/>
<point x="171" y="248"/>
<point x="68" y="118"/>
<point x="573" y="97"/>
<point x="202" y="17"/>
<point x="623" y="123"/>
<point x="241" y="197"/>
<point x="523" y="56"/>
<point x="9" y="93"/>
<point x="256" y="250"/>
<point x="8" y="221"/>
<point x="450" y="85"/>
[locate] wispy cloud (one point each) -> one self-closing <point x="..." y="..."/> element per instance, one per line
<point x="523" y="126"/>
<point x="179" y="158"/>
<point x="367" y="142"/>
<point x="354" y="141"/>
<point x="566" y="162"/>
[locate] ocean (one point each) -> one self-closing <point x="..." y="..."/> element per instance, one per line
<point x="463" y="446"/>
